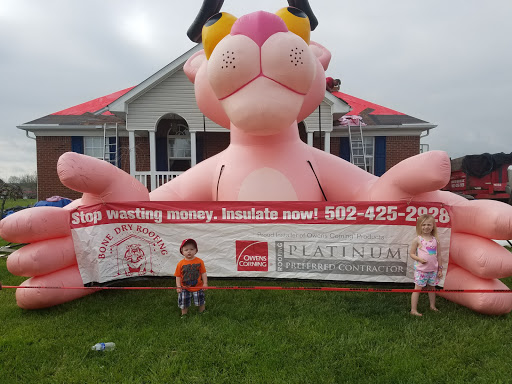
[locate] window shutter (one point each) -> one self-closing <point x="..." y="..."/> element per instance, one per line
<point x="162" y="161"/>
<point x="380" y="155"/>
<point x="345" y="148"/>
<point x="77" y="144"/>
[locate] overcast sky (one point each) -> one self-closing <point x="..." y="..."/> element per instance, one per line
<point x="448" y="62"/>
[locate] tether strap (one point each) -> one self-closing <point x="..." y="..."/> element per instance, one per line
<point x="318" y="181"/>
<point x="309" y="162"/>
<point x="218" y="182"/>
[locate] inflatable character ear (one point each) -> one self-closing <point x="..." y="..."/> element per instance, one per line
<point x="322" y="54"/>
<point x="303" y="5"/>
<point x="208" y="9"/>
<point x="193" y="64"/>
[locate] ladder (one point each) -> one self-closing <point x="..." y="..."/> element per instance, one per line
<point x="111" y="147"/>
<point x="357" y="150"/>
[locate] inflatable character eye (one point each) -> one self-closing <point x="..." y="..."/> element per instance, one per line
<point x="296" y="21"/>
<point x="215" y="29"/>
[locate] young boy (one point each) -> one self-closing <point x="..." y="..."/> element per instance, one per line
<point x="190" y="278"/>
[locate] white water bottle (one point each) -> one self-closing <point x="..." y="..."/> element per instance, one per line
<point x="103" y="347"/>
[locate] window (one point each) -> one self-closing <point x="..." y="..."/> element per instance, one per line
<point x="179" y="148"/>
<point x="369" y="149"/>
<point x="94" y="146"/>
<point x="357" y="151"/>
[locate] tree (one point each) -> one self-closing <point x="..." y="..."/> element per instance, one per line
<point x="9" y="192"/>
<point x="28" y="184"/>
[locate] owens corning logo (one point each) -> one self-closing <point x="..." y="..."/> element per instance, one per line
<point x="251" y="255"/>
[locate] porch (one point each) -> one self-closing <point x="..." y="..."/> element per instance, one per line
<point x="173" y="148"/>
<point x="160" y="178"/>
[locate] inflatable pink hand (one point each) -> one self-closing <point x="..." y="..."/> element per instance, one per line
<point x="50" y="257"/>
<point x="476" y="262"/>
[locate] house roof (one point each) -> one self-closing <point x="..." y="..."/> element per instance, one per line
<point x="375" y="114"/>
<point x="95" y="112"/>
<point x="92" y="112"/>
<point x="94" y="106"/>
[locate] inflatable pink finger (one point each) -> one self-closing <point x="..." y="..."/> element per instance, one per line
<point x="487" y="303"/>
<point x="35" y="224"/>
<point x="36" y="298"/>
<point x="480" y="256"/>
<point x="42" y="257"/>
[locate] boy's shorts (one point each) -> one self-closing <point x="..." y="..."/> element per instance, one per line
<point x="423" y="279"/>
<point x="185" y="298"/>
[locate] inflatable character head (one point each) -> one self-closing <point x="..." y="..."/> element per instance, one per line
<point x="259" y="73"/>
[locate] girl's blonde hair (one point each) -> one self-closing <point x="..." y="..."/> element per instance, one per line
<point x="419" y="222"/>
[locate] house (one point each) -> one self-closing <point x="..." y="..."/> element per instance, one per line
<point x="155" y="131"/>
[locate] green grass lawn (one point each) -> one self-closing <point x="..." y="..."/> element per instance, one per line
<point x="251" y="337"/>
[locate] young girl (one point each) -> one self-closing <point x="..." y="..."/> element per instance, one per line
<point x="427" y="266"/>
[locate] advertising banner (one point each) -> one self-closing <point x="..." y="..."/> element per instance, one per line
<point x="349" y="241"/>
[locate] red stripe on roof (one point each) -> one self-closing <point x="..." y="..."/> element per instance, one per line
<point x="359" y="105"/>
<point x="93" y="105"/>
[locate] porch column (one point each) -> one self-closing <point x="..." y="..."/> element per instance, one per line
<point x="152" y="159"/>
<point x="327" y="142"/>
<point x="193" y="159"/>
<point x="310" y="139"/>
<point x="131" y="147"/>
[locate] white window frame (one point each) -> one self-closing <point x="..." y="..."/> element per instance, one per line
<point x="369" y="143"/>
<point x="181" y="133"/>
<point x="94" y="146"/>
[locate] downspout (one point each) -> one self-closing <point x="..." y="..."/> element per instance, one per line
<point x="204" y="137"/>
<point x="427" y="146"/>
<point x="320" y="124"/>
<point x="37" y="179"/>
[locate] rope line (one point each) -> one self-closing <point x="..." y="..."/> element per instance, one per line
<point x="272" y="288"/>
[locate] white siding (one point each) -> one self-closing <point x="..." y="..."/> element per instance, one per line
<point x="312" y="123"/>
<point x="175" y="94"/>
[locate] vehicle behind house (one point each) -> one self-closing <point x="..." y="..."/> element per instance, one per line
<point x="482" y="176"/>
<point x="508" y="188"/>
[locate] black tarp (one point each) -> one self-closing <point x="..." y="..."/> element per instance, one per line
<point x="481" y="165"/>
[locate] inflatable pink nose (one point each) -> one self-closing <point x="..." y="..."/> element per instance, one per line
<point x="259" y="26"/>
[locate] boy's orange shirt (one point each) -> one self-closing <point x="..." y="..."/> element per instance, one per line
<point x="190" y="272"/>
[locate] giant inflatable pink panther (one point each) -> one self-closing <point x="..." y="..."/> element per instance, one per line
<point x="258" y="76"/>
